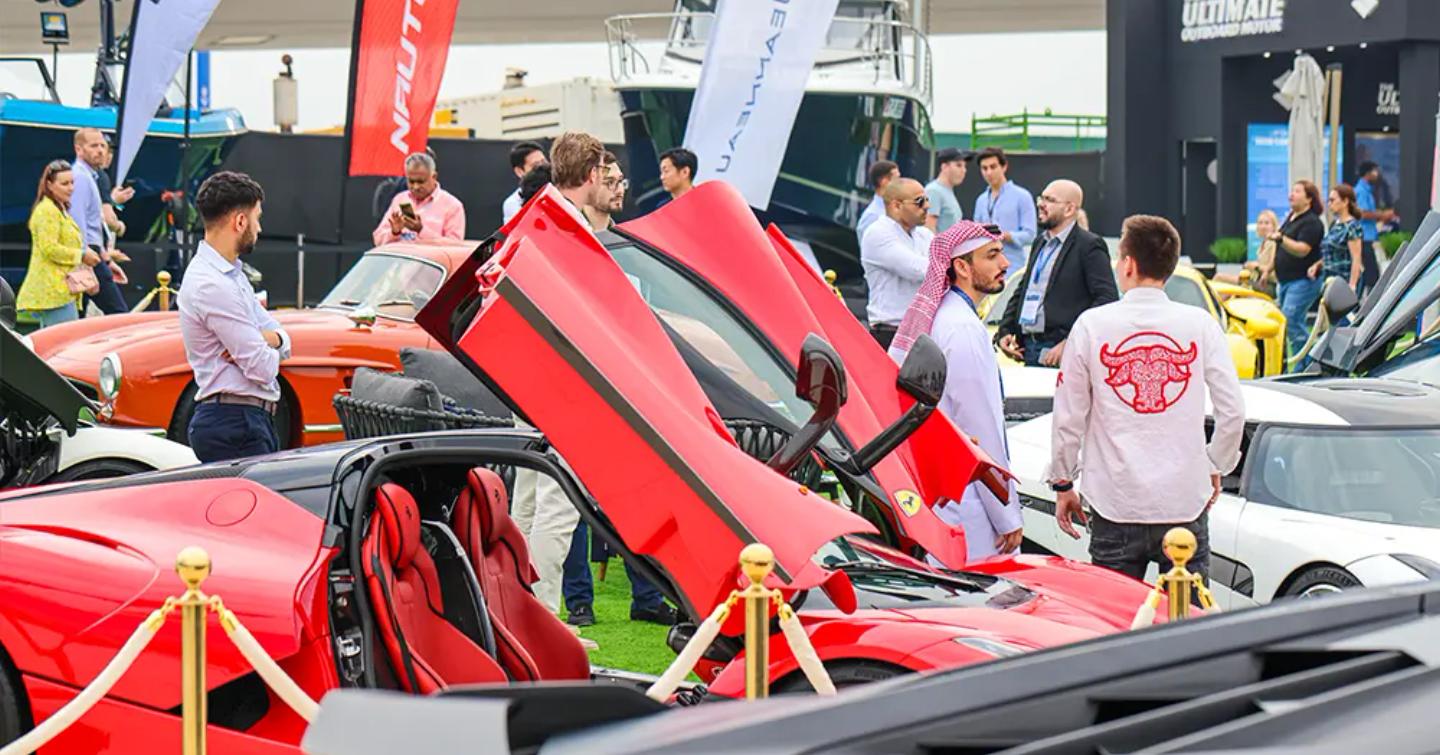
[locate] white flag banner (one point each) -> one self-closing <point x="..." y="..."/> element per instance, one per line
<point x="161" y="35"/>
<point x="759" y="57"/>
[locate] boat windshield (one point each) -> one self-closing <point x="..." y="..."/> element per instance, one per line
<point x="393" y="285"/>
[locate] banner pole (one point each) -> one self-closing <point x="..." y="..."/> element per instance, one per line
<point x="349" y="116"/>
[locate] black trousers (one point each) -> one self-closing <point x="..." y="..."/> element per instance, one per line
<point x="884" y="334"/>
<point x="1130" y="548"/>
<point x="108" y="298"/>
<point x="219" y="432"/>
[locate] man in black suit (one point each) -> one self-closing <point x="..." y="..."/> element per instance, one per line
<point x="1069" y="272"/>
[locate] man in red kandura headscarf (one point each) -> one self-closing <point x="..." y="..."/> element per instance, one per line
<point x="967" y="262"/>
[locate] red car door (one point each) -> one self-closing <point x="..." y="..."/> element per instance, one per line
<point x="563" y="334"/>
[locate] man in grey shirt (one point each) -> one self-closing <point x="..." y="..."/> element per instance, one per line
<point x="944" y="207"/>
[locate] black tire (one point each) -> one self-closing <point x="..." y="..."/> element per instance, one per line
<point x="100" y="469"/>
<point x="179" y="430"/>
<point x="843" y="674"/>
<point x="14" y="717"/>
<point x="1318" y="581"/>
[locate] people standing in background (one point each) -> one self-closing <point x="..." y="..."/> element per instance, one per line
<point x="1069" y="273"/>
<point x="1340" y="253"/>
<point x="111" y="199"/>
<point x="56" y="247"/>
<point x="85" y="207"/>
<point x="434" y="213"/>
<point x="577" y="163"/>
<point x="1129" y="433"/>
<point x="895" y="253"/>
<point x="1371" y="216"/>
<point x="944" y="207"/>
<point x="1297" y="248"/>
<point x="880" y="176"/>
<point x="678" y="167"/>
<point x="967" y="263"/>
<point x="1006" y="204"/>
<point x="610" y="199"/>
<point x="524" y="156"/>
<point x="534" y="180"/>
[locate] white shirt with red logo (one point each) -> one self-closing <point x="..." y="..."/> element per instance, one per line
<point x="1129" y="423"/>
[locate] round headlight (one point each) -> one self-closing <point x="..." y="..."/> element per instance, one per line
<point x="110" y="376"/>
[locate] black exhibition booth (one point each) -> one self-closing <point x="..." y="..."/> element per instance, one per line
<point x="1194" y="130"/>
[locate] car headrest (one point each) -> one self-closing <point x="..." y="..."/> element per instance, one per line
<point x="400" y="522"/>
<point x="492" y="505"/>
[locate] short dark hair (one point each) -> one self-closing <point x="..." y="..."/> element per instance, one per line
<point x="1365" y="168"/>
<point x="1153" y="243"/>
<point x="534" y="181"/>
<point x="995" y="152"/>
<point x="682" y="159"/>
<point x="226" y="192"/>
<point x="521" y="151"/>
<point x="881" y="170"/>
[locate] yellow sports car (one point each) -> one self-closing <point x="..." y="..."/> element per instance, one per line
<point x="1253" y="324"/>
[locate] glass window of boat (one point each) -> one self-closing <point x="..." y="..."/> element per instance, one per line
<point x="394" y="286"/>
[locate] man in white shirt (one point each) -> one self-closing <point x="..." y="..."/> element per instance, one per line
<point x="524" y="156"/>
<point x="1125" y="402"/>
<point x="881" y="174"/>
<point x="967" y="262"/>
<point x="894" y="253"/>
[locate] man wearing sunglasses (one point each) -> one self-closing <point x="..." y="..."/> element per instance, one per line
<point x="1069" y="272"/>
<point x="894" y="253"/>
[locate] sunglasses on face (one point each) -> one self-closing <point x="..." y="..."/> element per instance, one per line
<point x="920" y="201"/>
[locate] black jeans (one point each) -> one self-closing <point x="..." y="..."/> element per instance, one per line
<point x="231" y="431"/>
<point x="1129" y="548"/>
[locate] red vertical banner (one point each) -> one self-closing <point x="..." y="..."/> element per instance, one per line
<point x="398" y="57"/>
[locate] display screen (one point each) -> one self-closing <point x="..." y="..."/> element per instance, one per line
<point x="53" y="27"/>
<point x="1267" y="171"/>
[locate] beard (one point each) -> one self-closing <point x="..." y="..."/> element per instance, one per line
<point x="1047" y="223"/>
<point x="993" y="286"/>
<point x="246" y="244"/>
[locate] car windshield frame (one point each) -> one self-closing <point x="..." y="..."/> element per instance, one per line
<point x="1255" y="488"/>
<point x="325" y="302"/>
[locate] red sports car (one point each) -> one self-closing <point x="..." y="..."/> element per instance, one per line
<point x="394" y="563"/>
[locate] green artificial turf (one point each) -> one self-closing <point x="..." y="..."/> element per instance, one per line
<point x="624" y="644"/>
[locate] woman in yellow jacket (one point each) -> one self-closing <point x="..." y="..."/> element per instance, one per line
<point x="56" y="247"/>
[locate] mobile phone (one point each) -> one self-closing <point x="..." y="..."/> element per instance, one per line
<point x="408" y="210"/>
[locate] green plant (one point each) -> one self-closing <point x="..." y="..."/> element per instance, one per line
<point x="1390" y="242"/>
<point x="1230" y="249"/>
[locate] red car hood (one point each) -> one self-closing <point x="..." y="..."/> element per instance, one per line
<point x="775" y="288"/>
<point x="562" y="333"/>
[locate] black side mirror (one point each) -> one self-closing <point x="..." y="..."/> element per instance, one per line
<point x="922" y="375"/>
<point x="1339" y="300"/>
<point x="820" y="381"/>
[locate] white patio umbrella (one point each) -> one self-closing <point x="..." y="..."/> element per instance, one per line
<point x="1302" y="92"/>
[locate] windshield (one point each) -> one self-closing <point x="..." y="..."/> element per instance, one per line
<point x="1185" y="291"/>
<point x="708" y="327"/>
<point x="881" y="583"/>
<point x="1390" y="476"/>
<point x="392" y="285"/>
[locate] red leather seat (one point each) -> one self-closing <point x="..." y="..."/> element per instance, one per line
<point x="497" y="550"/>
<point x="427" y="652"/>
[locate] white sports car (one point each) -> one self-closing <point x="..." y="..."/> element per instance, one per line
<point x="1338" y="486"/>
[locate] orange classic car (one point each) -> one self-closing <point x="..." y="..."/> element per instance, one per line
<point x="135" y="366"/>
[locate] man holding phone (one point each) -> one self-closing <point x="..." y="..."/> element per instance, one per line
<point x="425" y="211"/>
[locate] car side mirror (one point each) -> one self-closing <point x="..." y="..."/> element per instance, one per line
<point x="922" y="376"/>
<point x="1339" y="300"/>
<point x="820" y="381"/>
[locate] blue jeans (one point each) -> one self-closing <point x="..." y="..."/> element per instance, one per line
<point x="1296" y="298"/>
<point x="1033" y="348"/>
<point x="578" y="586"/>
<point x="48" y="317"/>
<point x="219" y="432"/>
<point x="108" y="298"/>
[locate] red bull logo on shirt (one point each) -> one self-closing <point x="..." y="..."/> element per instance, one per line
<point x="1148" y="371"/>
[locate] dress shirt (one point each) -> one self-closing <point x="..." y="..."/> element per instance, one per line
<point x="873" y="212"/>
<point x="1013" y="209"/>
<point x="895" y="264"/>
<point x="85" y="205"/>
<point x="943" y="205"/>
<point x="512" y="206"/>
<point x="218" y="315"/>
<point x="1365" y="200"/>
<point x="1040" y="273"/>
<point x="442" y="216"/>
<point x="1138" y="454"/>
<point x="974" y="400"/>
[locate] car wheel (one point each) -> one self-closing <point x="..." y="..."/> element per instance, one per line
<point x="179" y="430"/>
<point x="100" y="469"/>
<point x="843" y="674"/>
<point x="13" y="719"/>
<point x="1320" y="581"/>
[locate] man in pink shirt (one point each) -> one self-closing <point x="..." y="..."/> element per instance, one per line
<point x="435" y="213"/>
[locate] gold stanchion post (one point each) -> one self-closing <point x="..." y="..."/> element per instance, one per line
<point x="1179" y="546"/>
<point x="163" y="279"/>
<point x="757" y="561"/>
<point x="193" y="566"/>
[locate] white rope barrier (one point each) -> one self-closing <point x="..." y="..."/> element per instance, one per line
<point x="669" y="681"/>
<point x="285" y="688"/>
<point x="810" y="662"/>
<point x="1145" y="616"/>
<point x="61" y="719"/>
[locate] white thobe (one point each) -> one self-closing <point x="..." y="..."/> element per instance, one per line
<point x="975" y="402"/>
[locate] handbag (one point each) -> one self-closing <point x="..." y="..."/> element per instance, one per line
<point x="82" y="280"/>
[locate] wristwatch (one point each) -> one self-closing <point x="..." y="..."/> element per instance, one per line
<point x="1062" y="486"/>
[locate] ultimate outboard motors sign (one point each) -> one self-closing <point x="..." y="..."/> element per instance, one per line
<point x="1223" y="19"/>
<point x="396" y="62"/>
